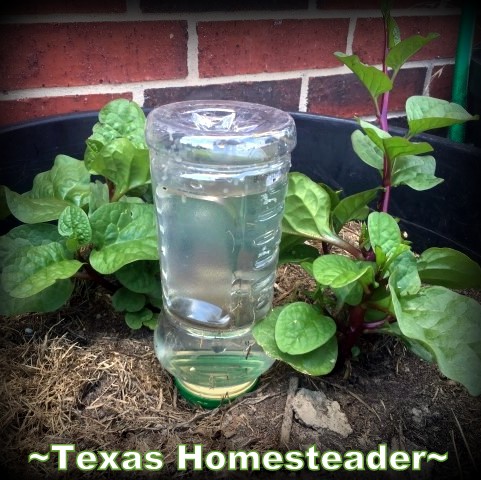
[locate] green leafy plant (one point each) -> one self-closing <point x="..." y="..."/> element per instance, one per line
<point x="87" y="219"/>
<point x="378" y="285"/>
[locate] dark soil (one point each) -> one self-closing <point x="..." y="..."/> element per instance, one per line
<point x="81" y="376"/>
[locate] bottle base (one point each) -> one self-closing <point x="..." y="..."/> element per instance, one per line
<point x="210" y="398"/>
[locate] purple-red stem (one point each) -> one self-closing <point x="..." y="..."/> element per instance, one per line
<point x="383" y="123"/>
<point x="354" y="330"/>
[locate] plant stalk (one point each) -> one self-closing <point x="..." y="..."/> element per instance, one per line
<point x="383" y="123"/>
<point x="354" y="330"/>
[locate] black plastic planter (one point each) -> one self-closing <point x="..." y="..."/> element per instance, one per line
<point x="446" y="216"/>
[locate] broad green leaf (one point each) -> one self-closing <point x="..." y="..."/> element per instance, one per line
<point x="320" y="361"/>
<point x="307" y="208"/>
<point x="135" y="320"/>
<point x="350" y="294"/>
<point x="117" y="148"/>
<point x="150" y="322"/>
<point x="99" y="195"/>
<point x="74" y="223"/>
<point x="354" y="206"/>
<point x="367" y="150"/>
<point x="448" y="324"/>
<point x="405" y="49"/>
<point x="421" y="350"/>
<point x="122" y="233"/>
<point x="425" y="113"/>
<point x="26" y="235"/>
<point x="384" y="232"/>
<point x="67" y="183"/>
<point x="140" y="277"/>
<point x="396" y="146"/>
<point x="297" y="252"/>
<point x="300" y="328"/>
<point x="48" y="300"/>
<point x="337" y="271"/>
<point x="334" y="195"/>
<point x="406" y="277"/>
<point x="120" y="118"/>
<point x="155" y="299"/>
<point x="376" y="134"/>
<point x="126" y="300"/>
<point x="33" y="268"/>
<point x="372" y="78"/>
<point x="448" y="268"/>
<point x="121" y="162"/>
<point x="415" y="172"/>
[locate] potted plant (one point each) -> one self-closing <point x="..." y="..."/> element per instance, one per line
<point x="94" y="219"/>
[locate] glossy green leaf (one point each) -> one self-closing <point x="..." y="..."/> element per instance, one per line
<point x="405" y="49"/>
<point x="117" y="149"/>
<point x="384" y="232"/>
<point x="126" y="300"/>
<point x="300" y="328"/>
<point x="48" y="300"/>
<point x="449" y="325"/>
<point x="74" y="223"/>
<point x="135" y="320"/>
<point x="122" y="233"/>
<point x="337" y="271"/>
<point x="99" y="195"/>
<point x="26" y="235"/>
<point x="140" y="277"/>
<point x="367" y="150"/>
<point x="320" y="361"/>
<point x="351" y="294"/>
<point x="372" y="78"/>
<point x="354" y="207"/>
<point x="448" y="268"/>
<point x="67" y="183"/>
<point x="120" y="118"/>
<point x="376" y="134"/>
<point x="33" y="268"/>
<point x="425" y="113"/>
<point x="122" y="163"/>
<point x="396" y="146"/>
<point x="404" y="269"/>
<point x="334" y="195"/>
<point x="415" y="172"/>
<point x="307" y="208"/>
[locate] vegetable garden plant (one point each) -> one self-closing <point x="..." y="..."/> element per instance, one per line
<point x="94" y="219"/>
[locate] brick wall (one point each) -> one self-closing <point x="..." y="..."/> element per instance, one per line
<point x="61" y="56"/>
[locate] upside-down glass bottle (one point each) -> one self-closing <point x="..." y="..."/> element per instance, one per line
<point x="219" y="177"/>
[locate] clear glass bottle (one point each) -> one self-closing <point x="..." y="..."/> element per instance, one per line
<point x="219" y="177"/>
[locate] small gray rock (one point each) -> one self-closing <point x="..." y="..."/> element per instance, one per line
<point x="315" y="410"/>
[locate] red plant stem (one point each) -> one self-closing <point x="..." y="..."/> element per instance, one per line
<point x="383" y="123"/>
<point x="354" y="330"/>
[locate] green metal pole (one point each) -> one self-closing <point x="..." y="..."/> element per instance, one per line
<point x="461" y="66"/>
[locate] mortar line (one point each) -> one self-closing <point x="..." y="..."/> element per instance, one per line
<point x="192" y="51"/>
<point x="128" y="87"/>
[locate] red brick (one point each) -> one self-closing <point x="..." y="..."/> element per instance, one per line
<point x="441" y="82"/>
<point x="35" y="7"/>
<point x="240" y="47"/>
<point x="283" y="94"/>
<point x="344" y="96"/>
<point x="368" y="37"/>
<point x="51" y="55"/>
<point x="14" y="111"/>
<point x="154" y="6"/>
